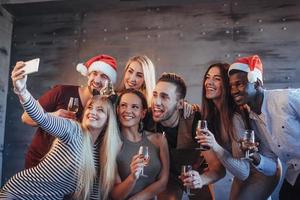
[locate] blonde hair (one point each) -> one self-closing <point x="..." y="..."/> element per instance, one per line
<point x="149" y="76"/>
<point x="88" y="172"/>
<point x="108" y="155"/>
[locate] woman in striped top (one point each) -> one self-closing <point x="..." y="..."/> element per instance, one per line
<point x="72" y="165"/>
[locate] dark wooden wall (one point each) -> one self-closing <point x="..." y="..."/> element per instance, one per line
<point x="5" y="44"/>
<point x="179" y="36"/>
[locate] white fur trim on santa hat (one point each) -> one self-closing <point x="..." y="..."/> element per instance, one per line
<point x="239" y="66"/>
<point x="82" y="69"/>
<point x="105" y="68"/>
<point x="252" y="75"/>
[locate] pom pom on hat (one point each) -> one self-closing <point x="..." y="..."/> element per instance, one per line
<point x="103" y="63"/>
<point x="252" y="65"/>
<point x="82" y="69"/>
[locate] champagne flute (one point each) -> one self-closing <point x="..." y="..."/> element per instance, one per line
<point x="248" y="142"/>
<point x="144" y="152"/>
<point x="73" y="104"/>
<point x="186" y="172"/>
<point x="201" y="129"/>
<point x="108" y="89"/>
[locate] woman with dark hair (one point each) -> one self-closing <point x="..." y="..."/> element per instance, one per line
<point x="253" y="179"/>
<point x="217" y="104"/>
<point x="130" y="182"/>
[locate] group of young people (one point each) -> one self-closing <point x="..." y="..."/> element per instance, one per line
<point x="95" y="153"/>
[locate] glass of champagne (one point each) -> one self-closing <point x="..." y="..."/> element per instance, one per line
<point x="144" y="153"/>
<point x="201" y="129"/>
<point x="186" y="172"/>
<point x="248" y="143"/>
<point x="73" y="104"/>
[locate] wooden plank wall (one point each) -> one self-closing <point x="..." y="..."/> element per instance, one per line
<point x="5" y="44"/>
<point x="182" y="37"/>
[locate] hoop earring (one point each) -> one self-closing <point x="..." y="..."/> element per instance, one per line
<point x="141" y="126"/>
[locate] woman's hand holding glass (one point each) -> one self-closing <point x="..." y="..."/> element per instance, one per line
<point x="206" y="139"/>
<point x="144" y="153"/>
<point x="136" y="166"/>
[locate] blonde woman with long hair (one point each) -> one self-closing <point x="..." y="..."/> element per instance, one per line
<point x="72" y="165"/>
<point x="139" y="75"/>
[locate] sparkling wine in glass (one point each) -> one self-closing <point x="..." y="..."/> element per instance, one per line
<point x="186" y="172"/>
<point x="73" y="104"/>
<point x="201" y="129"/>
<point x="108" y="89"/>
<point x="248" y="143"/>
<point x="144" y="152"/>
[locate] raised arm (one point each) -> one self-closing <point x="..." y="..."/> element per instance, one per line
<point x="27" y="120"/>
<point x="59" y="127"/>
<point x="240" y="168"/>
<point x="233" y="163"/>
<point x="49" y="101"/>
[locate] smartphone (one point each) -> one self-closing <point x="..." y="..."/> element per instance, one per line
<point x="32" y="66"/>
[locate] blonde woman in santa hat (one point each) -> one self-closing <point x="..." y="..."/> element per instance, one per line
<point x="72" y="164"/>
<point x="253" y="179"/>
<point x="98" y="70"/>
<point x="139" y="75"/>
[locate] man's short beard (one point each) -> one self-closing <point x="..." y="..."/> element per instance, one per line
<point x="174" y="109"/>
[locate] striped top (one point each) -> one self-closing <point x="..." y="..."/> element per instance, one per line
<point x="57" y="175"/>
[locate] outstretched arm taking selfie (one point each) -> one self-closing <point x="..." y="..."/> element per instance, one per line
<point x="59" y="127"/>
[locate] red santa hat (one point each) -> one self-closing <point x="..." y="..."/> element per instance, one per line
<point x="252" y="65"/>
<point x="103" y="63"/>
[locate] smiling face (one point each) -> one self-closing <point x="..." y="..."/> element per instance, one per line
<point x="97" y="80"/>
<point x="130" y="110"/>
<point x="213" y="84"/>
<point x="165" y="103"/>
<point x="95" y="115"/>
<point x="134" y="76"/>
<point x="241" y="90"/>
